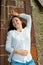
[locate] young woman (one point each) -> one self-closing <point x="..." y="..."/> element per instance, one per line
<point x="18" y="41"/>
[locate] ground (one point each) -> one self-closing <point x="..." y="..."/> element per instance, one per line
<point x="38" y="25"/>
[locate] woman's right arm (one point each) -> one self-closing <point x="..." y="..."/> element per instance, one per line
<point x="8" y="43"/>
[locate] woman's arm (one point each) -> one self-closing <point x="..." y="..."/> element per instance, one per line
<point x="21" y="52"/>
<point x="28" y="18"/>
<point x="8" y="43"/>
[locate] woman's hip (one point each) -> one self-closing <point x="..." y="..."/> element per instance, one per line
<point x="27" y="63"/>
<point x="31" y="62"/>
<point x="16" y="63"/>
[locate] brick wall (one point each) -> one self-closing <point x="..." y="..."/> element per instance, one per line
<point x="6" y="6"/>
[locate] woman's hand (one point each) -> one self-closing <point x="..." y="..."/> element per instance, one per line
<point x="13" y="13"/>
<point x="21" y="52"/>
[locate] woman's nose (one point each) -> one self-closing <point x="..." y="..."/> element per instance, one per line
<point x="15" y="22"/>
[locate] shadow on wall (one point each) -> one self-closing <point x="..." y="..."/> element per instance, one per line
<point x="39" y="5"/>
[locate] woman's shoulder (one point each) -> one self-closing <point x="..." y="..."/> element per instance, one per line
<point x="10" y="32"/>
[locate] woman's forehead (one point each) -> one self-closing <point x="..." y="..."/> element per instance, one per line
<point x="16" y="18"/>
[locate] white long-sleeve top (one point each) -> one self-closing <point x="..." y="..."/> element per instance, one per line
<point x="19" y="40"/>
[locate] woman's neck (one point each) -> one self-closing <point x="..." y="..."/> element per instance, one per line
<point x="20" y="29"/>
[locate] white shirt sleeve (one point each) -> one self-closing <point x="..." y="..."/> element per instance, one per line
<point x="28" y="18"/>
<point x="8" y="43"/>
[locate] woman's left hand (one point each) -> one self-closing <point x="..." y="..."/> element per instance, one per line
<point x="14" y="13"/>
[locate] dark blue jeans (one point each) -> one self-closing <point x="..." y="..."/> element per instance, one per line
<point x="27" y="63"/>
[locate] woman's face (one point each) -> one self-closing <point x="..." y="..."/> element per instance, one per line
<point x="16" y="22"/>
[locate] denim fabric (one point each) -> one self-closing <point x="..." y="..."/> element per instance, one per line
<point x="27" y="63"/>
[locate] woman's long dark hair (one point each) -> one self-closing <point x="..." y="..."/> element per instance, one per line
<point x="11" y="27"/>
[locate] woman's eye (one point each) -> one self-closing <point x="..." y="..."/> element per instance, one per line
<point x="16" y="20"/>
